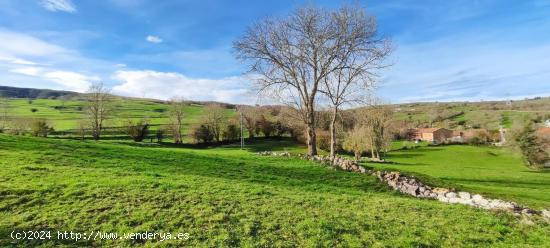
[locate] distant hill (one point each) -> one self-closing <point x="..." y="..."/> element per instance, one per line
<point x="15" y="92"/>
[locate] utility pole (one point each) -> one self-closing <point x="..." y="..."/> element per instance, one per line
<point x="242" y="135"/>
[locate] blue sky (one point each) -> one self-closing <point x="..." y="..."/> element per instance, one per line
<point x="444" y="50"/>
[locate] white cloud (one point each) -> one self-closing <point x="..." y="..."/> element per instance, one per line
<point x="164" y="85"/>
<point x="153" y="39"/>
<point x="29" y="71"/>
<point x="71" y="80"/>
<point x="59" y="5"/>
<point x="17" y="45"/>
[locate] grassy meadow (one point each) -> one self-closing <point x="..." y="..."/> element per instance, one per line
<point x="493" y="171"/>
<point x="226" y="197"/>
<point x="65" y="115"/>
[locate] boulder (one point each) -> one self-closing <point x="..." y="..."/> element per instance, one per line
<point x="451" y="195"/>
<point x="546" y="213"/>
<point x="464" y="195"/>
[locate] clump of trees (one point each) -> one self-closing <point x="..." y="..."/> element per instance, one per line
<point x="213" y="126"/>
<point x="372" y="132"/>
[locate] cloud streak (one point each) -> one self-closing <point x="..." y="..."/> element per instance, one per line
<point x="153" y="39"/>
<point x="59" y="5"/>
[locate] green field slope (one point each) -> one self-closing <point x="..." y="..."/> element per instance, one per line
<point x="64" y="115"/>
<point x="492" y="171"/>
<point x="225" y="197"/>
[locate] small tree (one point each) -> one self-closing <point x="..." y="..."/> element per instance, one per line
<point x="357" y="141"/>
<point x="40" y="128"/>
<point x="177" y="112"/>
<point x="81" y="128"/>
<point x="137" y="130"/>
<point x="97" y="109"/>
<point x="376" y="121"/>
<point x="214" y="119"/>
<point x="250" y="119"/>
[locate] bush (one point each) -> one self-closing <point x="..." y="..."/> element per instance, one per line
<point x="532" y="148"/>
<point x="231" y="132"/>
<point x="279" y="129"/>
<point x="266" y="126"/>
<point x="323" y="140"/>
<point x="160" y="135"/>
<point x="202" y="134"/>
<point x="137" y="130"/>
<point x="40" y="128"/>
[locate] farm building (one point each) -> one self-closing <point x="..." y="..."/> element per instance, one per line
<point x="435" y="135"/>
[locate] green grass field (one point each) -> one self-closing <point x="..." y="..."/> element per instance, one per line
<point x="226" y="197"/>
<point x="492" y="171"/>
<point x="64" y="116"/>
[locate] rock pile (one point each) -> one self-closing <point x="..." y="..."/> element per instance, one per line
<point x="277" y="154"/>
<point x="411" y="186"/>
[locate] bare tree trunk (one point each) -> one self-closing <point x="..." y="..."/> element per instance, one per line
<point x="333" y="132"/>
<point x="310" y="130"/>
<point x="311" y="141"/>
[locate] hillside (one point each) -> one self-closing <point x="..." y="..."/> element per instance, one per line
<point x="64" y="112"/>
<point x="31" y="93"/>
<point x="225" y="197"/>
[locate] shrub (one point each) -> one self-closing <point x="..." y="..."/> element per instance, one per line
<point x="40" y="128"/>
<point x="323" y="140"/>
<point x="279" y="129"/>
<point x="231" y="132"/>
<point x="532" y="147"/>
<point x="202" y="134"/>
<point x="137" y="130"/>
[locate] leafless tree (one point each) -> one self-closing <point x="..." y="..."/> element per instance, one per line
<point x="377" y="122"/>
<point x="215" y="118"/>
<point x="177" y="112"/>
<point x="250" y="119"/>
<point x="294" y="55"/>
<point x="98" y="108"/>
<point x="356" y="69"/>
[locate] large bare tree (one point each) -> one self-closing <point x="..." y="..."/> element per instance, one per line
<point x="294" y="55"/>
<point x="97" y="109"/>
<point x="177" y="112"/>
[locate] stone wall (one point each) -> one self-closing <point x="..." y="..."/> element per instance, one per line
<point x="413" y="187"/>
